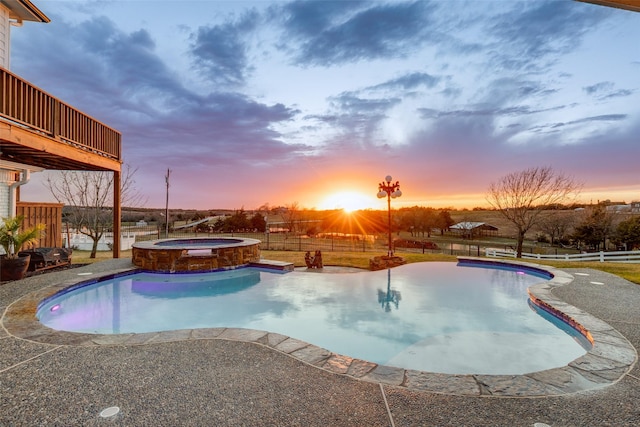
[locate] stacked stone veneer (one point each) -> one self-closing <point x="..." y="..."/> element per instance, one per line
<point x="172" y="260"/>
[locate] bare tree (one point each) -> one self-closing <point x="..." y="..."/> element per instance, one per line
<point x="520" y="196"/>
<point x="89" y="199"/>
<point x="291" y="216"/>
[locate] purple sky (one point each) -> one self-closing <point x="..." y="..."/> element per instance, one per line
<point x="314" y="103"/>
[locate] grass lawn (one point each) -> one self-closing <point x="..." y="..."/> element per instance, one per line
<point x="627" y="271"/>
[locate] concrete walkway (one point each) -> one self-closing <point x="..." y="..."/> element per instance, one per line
<point x="225" y="382"/>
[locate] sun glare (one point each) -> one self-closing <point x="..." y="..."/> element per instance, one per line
<point x="349" y="201"/>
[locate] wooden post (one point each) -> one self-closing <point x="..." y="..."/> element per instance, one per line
<point x="117" y="211"/>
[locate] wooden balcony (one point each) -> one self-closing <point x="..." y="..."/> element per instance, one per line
<point x="40" y="130"/>
<point x="37" y="129"/>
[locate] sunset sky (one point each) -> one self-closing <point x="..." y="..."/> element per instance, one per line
<point x="255" y="102"/>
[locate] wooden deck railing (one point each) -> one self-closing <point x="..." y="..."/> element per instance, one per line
<point x="23" y="103"/>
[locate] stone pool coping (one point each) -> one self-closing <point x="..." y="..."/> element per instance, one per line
<point x="196" y="243"/>
<point x="611" y="357"/>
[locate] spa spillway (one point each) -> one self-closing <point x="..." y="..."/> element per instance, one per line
<point x="198" y="254"/>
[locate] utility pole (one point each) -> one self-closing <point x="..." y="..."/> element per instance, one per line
<point x="166" y="212"/>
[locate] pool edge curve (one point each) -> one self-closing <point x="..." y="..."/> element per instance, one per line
<point x="609" y="360"/>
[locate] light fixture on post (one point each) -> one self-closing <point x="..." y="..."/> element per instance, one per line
<point x="166" y="217"/>
<point x="391" y="190"/>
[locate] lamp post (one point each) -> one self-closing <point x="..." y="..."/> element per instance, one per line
<point x="389" y="189"/>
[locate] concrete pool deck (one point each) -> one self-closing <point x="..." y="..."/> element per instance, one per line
<point x="235" y="377"/>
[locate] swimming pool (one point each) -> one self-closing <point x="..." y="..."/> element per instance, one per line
<point x="435" y="317"/>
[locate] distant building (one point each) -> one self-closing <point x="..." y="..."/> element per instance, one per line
<point x="619" y="208"/>
<point x="635" y="207"/>
<point x="469" y="229"/>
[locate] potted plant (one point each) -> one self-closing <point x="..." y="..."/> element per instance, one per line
<point x="12" y="238"/>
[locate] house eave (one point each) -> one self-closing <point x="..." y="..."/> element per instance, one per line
<point x="633" y="5"/>
<point x="24" y="10"/>
<point x="13" y="166"/>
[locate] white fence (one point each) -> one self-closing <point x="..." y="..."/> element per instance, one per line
<point x="621" y="256"/>
<point x="85" y="243"/>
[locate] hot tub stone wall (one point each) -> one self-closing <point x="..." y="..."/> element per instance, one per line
<point x="168" y="260"/>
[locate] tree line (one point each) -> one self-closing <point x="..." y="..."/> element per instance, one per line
<point x="518" y="196"/>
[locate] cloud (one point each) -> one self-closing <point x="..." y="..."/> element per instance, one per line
<point x="326" y="33"/>
<point x="93" y="60"/>
<point x="598" y="87"/>
<point x="604" y="90"/>
<point x="534" y="35"/>
<point x="619" y="94"/>
<point x="359" y="117"/>
<point x="309" y="18"/>
<point x="602" y="118"/>
<point x="220" y="51"/>
<point x="273" y="97"/>
<point x="121" y="80"/>
<point x="464" y="154"/>
<point x="351" y="103"/>
<point x="409" y="82"/>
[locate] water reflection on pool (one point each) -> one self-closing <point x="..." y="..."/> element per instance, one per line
<point x="435" y="317"/>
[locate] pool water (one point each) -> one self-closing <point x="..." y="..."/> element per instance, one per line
<point x="437" y="317"/>
<point x="202" y="242"/>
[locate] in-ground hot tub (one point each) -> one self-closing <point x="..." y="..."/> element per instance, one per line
<point x="195" y="254"/>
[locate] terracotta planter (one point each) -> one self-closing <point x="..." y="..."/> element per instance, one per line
<point x="14" y="268"/>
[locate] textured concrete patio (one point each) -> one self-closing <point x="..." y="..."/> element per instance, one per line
<point x="238" y="377"/>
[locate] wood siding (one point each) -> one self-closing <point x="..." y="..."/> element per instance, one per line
<point x="4" y="37"/>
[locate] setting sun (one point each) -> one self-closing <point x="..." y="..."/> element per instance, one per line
<point x="349" y="201"/>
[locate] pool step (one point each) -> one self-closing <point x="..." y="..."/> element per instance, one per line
<point x="274" y="265"/>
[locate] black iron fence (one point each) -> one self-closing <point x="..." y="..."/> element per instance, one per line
<point x="331" y="242"/>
